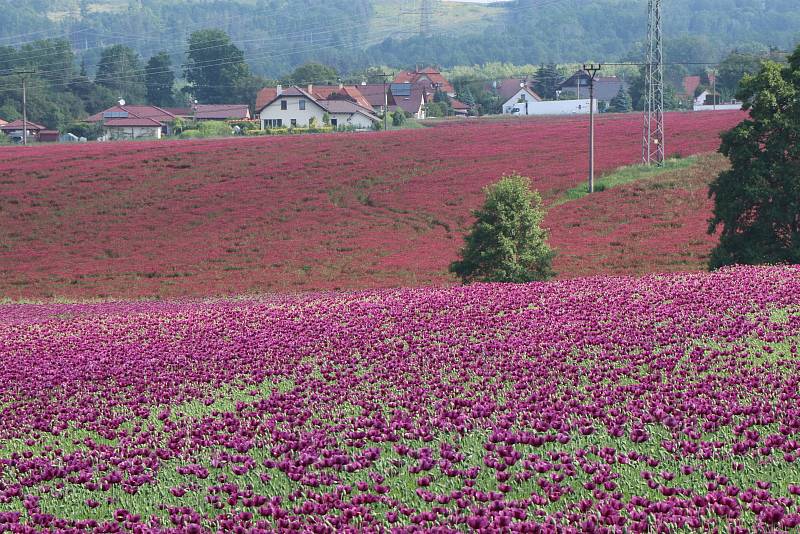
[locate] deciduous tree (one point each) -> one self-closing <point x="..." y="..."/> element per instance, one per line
<point x="757" y="201"/>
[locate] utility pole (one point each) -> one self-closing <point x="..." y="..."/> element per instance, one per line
<point x="385" y="76"/>
<point x="653" y="131"/>
<point x="592" y="69"/>
<point x="25" y="74"/>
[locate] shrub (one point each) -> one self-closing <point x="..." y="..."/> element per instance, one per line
<point x="506" y="243"/>
<point x="398" y="118"/>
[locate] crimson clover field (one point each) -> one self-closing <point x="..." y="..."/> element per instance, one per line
<point x="300" y="213"/>
<point x="602" y="404"/>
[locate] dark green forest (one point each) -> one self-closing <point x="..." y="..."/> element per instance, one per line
<point x="278" y="35"/>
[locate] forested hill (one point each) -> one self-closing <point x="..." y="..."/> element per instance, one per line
<point x="277" y="35"/>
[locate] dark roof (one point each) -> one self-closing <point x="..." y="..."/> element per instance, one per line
<point x="221" y="111"/>
<point x="511" y="86"/>
<point x="605" y="87"/>
<point x="413" y="101"/>
<point x="19" y="125"/>
<point x="374" y="93"/>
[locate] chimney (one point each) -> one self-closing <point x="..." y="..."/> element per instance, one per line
<point x="310" y="88"/>
<point x="279" y="90"/>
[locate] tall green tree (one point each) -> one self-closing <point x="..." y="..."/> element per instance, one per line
<point x="733" y="68"/>
<point x="120" y="70"/>
<point x="757" y="201"/>
<point x="215" y="66"/>
<point x="313" y="73"/>
<point x="160" y="80"/>
<point x="621" y="103"/>
<point x="507" y="243"/>
<point x="547" y="79"/>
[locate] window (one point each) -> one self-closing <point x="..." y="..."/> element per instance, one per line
<point x="294" y="123"/>
<point x="273" y="123"/>
<point x="302" y="104"/>
<point x="284" y="105"/>
<point x="334" y="122"/>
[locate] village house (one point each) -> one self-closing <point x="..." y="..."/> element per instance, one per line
<point x="605" y="87"/>
<point x="520" y="99"/>
<point x="428" y="78"/>
<point x="14" y="130"/>
<point x="128" y="122"/>
<point x="409" y="98"/>
<point x="429" y="81"/>
<point x="3" y="123"/>
<point x="294" y="106"/>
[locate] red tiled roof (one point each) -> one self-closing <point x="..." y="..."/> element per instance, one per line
<point x="18" y="125"/>
<point x="265" y="96"/>
<point x="690" y="85"/>
<point x="136" y="112"/>
<point x="179" y="112"/>
<point x="433" y="76"/>
<point x="222" y="111"/>
<point x="458" y="104"/>
<point x="135" y="122"/>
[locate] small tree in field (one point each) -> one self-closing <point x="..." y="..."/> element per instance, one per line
<point x="506" y="243"/>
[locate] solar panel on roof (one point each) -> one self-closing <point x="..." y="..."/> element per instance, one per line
<point x="115" y="115"/>
<point x="401" y="89"/>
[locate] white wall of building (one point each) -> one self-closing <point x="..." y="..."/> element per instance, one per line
<point x="514" y="101"/>
<point x="356" y="120"/>
<point x="718" y="107"/>
<point x="135" y="132"/>
<point x="550" y="107"/>
<point x="292" y="111"/>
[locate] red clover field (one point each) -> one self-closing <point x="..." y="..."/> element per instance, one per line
<point x="326" y="212"/>
<point x="602" y="404"/>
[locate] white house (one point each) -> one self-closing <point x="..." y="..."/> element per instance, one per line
<point x="705" y="102"/>
<point x="131" y="128"/>
<point x="521" y="101"/>
<point x="296" y="107"/>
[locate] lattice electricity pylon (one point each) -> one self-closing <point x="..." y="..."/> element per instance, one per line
<point x="653" y="135"/>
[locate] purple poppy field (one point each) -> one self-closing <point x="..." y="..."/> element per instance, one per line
<point x="662" y="403"/>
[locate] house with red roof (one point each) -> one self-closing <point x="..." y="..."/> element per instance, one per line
<point x="428" y="78"/>
<point x="297" y="106"/>
<point x="15" y="129"/>
<point x="130" y="122"/>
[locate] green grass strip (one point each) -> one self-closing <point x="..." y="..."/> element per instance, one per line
<point x="625" y="175"/>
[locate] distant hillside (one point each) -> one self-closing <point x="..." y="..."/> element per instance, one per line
<point x="278" y="35"/>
